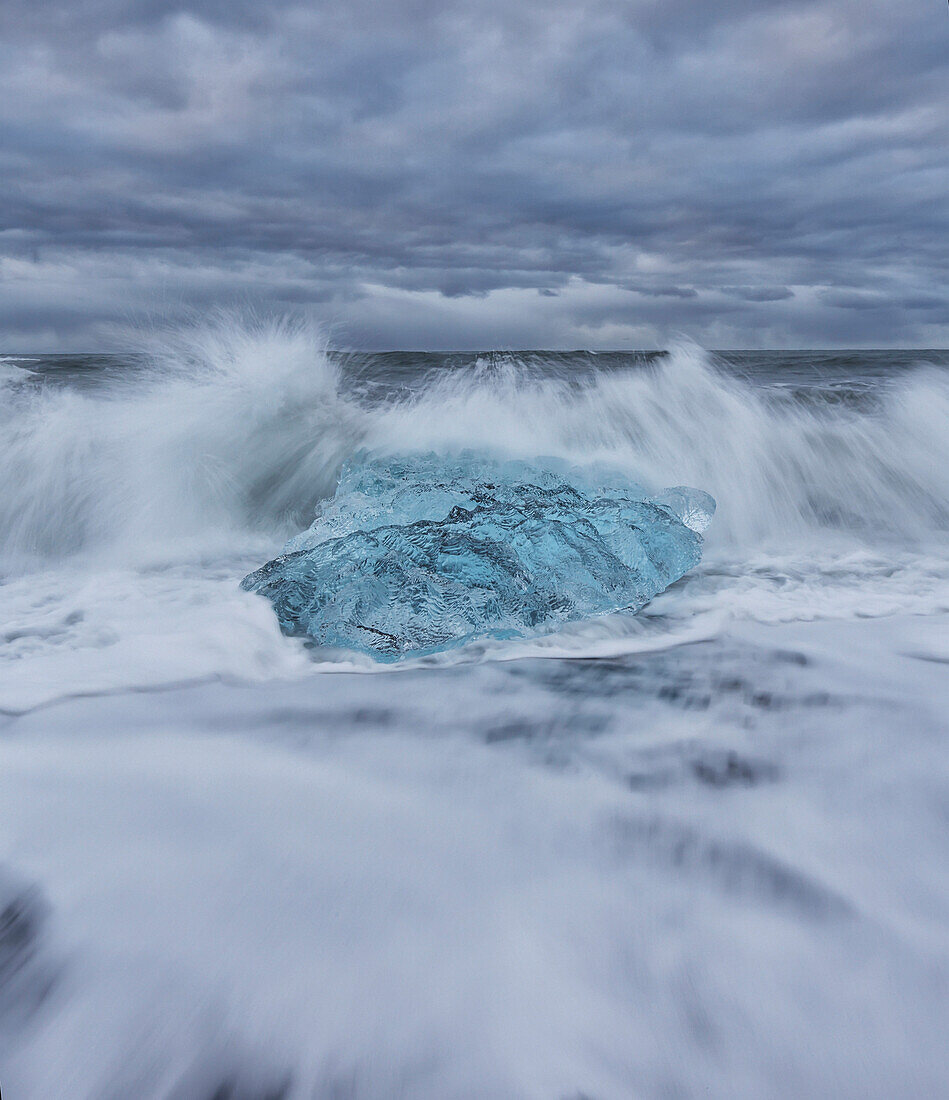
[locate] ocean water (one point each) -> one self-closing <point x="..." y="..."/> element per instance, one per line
<point x="702" y="850"/>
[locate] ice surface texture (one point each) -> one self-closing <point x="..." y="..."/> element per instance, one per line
<point x="418" y="554"/>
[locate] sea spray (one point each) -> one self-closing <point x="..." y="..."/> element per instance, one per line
<point x="225" y="428"/>
<point x="239" y="427"/>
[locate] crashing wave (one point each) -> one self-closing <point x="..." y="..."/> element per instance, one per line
<point x="233" y="430"/>
<point x="418" y="554"/>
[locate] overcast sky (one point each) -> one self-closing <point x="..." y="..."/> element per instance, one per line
<point x="486" y="173"/>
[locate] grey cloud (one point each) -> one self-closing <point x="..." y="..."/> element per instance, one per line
<point x="666" y="291"/>
<point x="759" y="293"/>
<point x="450" y="155"/>
<point x="853" y="299"/>
<point x="924" y="302"/>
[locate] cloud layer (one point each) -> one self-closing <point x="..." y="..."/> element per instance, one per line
<point x="591" y="173"/>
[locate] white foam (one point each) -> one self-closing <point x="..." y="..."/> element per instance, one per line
<point x="346" y="883"/>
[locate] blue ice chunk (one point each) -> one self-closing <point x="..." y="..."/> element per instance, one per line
<point x="417" y="554"/>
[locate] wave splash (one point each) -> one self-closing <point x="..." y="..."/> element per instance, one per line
<point x="241" y="428"/>
<point x="230" y="428"/>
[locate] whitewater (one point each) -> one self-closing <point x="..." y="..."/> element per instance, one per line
<point x="696" y="850"/>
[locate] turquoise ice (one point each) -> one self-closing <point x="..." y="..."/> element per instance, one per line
<point x="416" y="554"/>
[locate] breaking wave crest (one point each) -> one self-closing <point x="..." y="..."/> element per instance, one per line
<point x="240" y="426"/>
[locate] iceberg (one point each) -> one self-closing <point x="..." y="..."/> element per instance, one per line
<point x="417" y="554"/>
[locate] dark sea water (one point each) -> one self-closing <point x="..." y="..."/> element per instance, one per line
<point x="400" y="371"/>
<point x="697" y="851"/>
